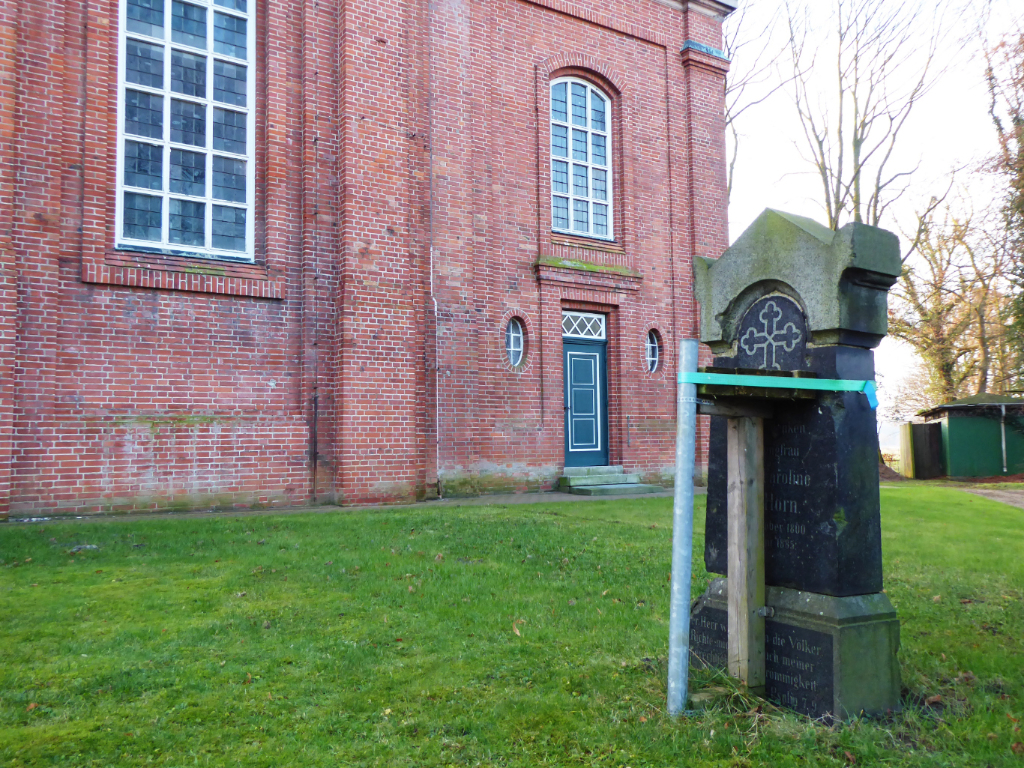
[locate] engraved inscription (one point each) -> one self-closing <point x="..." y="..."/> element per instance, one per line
<point x="709" y="645"/>
<point x="798" y="668"/>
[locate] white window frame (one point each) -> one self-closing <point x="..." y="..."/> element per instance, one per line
<point x="514" y="332"/>
<point x="589" y="199"/>
<point x="165" y="246"/>
<point x="652" y="351"/>
<point x="584" y="325"/>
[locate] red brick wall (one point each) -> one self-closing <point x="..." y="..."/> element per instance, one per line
<point x="401" y="213"/>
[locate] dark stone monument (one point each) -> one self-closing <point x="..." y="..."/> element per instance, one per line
<point x="793" y="296"/>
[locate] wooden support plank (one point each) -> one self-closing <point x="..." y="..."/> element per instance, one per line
<point x="745" y="448"/>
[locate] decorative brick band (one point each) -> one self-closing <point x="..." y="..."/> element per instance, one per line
<point x="194" y="282"/>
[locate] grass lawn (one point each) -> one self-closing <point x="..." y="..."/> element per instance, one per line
<point x="522" y="635"/>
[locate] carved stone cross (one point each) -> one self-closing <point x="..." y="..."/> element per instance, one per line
<point x="770" y="339"/>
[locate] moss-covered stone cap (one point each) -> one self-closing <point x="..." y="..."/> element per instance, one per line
<point x="840" y="279"/>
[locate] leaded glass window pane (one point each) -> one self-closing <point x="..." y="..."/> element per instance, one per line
<point x="579" y="104"/>
<point x="599" y="184"/>
<point x="229" y="131"/>
<point x="143" y="165"/>
<point x="560" y="212"/>
<point x="229" y="35"/>
<point x="229" y="179"/>
<point x="143" y="114"/>
<point x="600" y="219"/>
<point x="560" y="176"/>
<point x="598" y="146"/>
<point x="142" y="216"/>
<point x="187" y="222"/>
<point x="188" y="173"/>
<point x="146" y="17"/>
<point x="188" y="24"/>
<point x="559" y="141"/>
<point x="144" y="64"/>
<point x="579" y="181"/>
<point x="580" y="215"/>
<point x="579" y="145"/>
<point x="228" y="228"/>
<point x="234" y="5"/>
<point x="188" y="74"/>
<point x="597" y="104"/>
<point x="188" y="123"/>
<point x="229" y="83"/>
<point x="559" y="103"/>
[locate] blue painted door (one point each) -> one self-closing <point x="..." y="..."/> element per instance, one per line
<point x="586" y="403"/>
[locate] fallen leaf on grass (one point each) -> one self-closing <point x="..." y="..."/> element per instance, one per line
<point x="937" y="599"/>
<point x="643" y="719"/>
<point x="223" y="663"/>
<point x="248" y="678"/>
<point x="240" y="594"/>
<point x="28" y="559"/>
<point x="1017" y="747"/>
<point x="850" y="758"/>
<point x="411" y="589"/>
<point x="935" y="700"/>
<point x="438" y="557"/>
<point x="31" y="706"/>
<point x="605" y="592"/>
<point x="515" y="628"/>
<point x="992" y="737"/>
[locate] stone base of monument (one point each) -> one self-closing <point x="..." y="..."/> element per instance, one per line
<point x="825" y="657"/>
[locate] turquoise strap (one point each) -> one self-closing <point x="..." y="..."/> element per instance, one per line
<point x="783" y="382"/>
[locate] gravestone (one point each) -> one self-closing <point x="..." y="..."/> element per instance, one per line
<point x="795" y="298"/>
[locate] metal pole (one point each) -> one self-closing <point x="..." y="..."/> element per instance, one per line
<point x="1002" y="429"/>
<point x="682" y="533"/>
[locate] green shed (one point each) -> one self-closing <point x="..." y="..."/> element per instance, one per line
<point x="982" y="436"/>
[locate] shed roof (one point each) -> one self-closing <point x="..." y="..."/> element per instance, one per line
<point x="975" y="401"/>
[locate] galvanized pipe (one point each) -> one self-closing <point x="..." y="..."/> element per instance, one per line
<point x="682" y="532"/>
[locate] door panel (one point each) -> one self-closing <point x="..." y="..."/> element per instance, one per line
<point x="586" y="404"/>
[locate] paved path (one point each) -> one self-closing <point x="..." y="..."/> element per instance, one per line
<point x="498" y="499"/>
<point x="1013" y="498"/>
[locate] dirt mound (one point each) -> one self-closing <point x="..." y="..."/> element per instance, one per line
<point x="887" y="475"/>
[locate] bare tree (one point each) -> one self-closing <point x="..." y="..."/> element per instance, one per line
<point x="953" y="301"/>
<point x="855" y="90"/>
<point x="755" y="49"/>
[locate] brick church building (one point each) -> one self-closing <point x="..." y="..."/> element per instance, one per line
<point x="277" y="253"/>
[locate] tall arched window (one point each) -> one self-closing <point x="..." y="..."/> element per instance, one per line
<point x="581" y="171"/>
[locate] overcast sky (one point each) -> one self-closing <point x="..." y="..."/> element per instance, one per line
<point x="949" y="128"/>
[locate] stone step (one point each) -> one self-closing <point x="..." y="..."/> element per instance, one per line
<point x="584" y="471"/>
<point x="619" y="489"/>
<point x="571" y="482"/>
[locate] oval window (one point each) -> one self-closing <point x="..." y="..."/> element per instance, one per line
<point x="653" y="351"/>
<point x="514" y="342"/>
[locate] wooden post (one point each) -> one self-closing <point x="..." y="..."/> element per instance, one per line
<point x="746" y="550"/>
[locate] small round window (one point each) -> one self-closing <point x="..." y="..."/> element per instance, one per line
<point x="653" y="351"/>
<point x="514" y="342"/>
